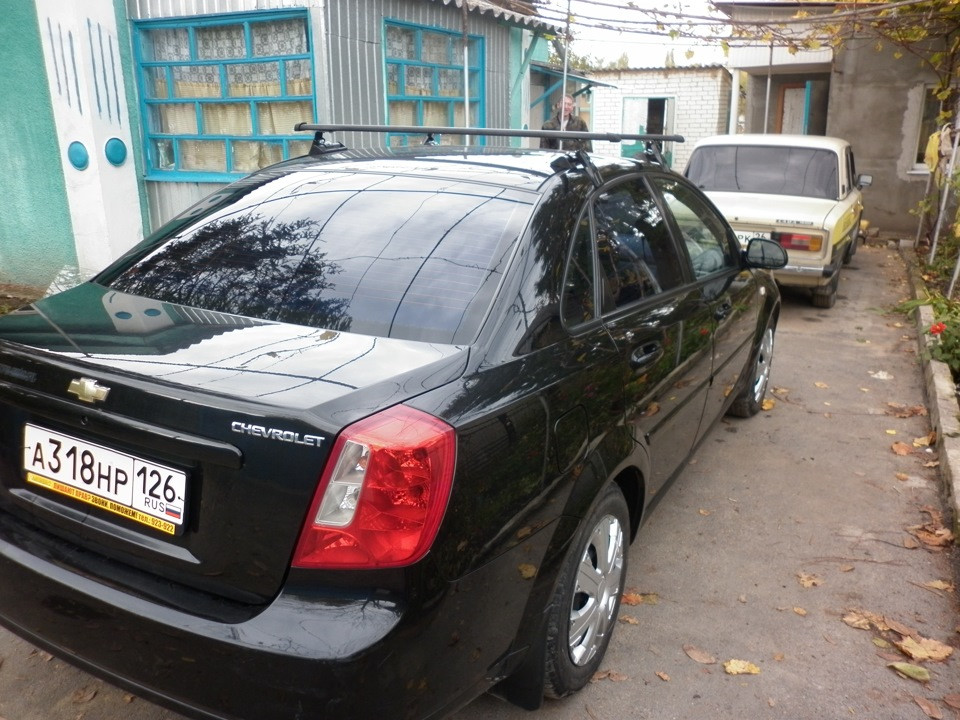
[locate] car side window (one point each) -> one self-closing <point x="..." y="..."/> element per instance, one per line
<point x="578" y="304"/>
<point x="636" y="256"/>
<point x="704" y="233"/>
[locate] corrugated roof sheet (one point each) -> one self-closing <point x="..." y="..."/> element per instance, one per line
<point x="484" y="7"/>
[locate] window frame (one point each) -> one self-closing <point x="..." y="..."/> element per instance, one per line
<point x="143" y="68"/>
<point x="477" y="64"/>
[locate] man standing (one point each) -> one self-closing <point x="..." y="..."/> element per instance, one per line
<point x="566" y="120"/>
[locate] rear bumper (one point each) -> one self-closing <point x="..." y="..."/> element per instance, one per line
<point x="352" y="655"/>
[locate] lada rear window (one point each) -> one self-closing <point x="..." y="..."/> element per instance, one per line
<point x="416" y="258"/>
<point x="803" y="172"/>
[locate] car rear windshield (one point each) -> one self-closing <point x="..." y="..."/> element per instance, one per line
<point x="416" y="258"/>
<point x="805" y="172"/>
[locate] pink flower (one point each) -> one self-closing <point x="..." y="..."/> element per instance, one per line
<point x="937" y="328"/>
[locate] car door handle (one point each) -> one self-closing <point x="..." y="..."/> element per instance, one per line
<point x="722" y="311"/>
<point x="646" y="354"/>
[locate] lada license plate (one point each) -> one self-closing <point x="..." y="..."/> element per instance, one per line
<point x="124" y="484"/>
<point x="744" y="237"/>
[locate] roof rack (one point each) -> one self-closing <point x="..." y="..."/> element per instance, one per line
<point x="653" y="143"/>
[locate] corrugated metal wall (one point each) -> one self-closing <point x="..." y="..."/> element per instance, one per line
<point x="347" y="38"/>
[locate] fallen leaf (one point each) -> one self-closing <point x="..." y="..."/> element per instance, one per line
<point x="924" y="649"/>
<point x="779" y="657"/>
<point x="902" y="411"/>
<point x="740" y="667"/>
<point x="663" y="676"/>
<point x="129" y="698"/>
<point x="808" y="581"/>
<point x="925" y="441"/>
<point x="880" y="375"/>
<point x="901" y="448"/>
<point x="821" y="385"/>
<point x="910" y="544"/>
<point x="527" y="571"/>
<point x="913" y="672"/>
<point x="610" y="675"/>
<point x="891" y="432"/>
<point x="902" y="477"/>
<point x="698" y="655"/>
<point x="939" y="585"/>
<point x="953" y="700"/>
<point x="629" y="620"/>
<point x="635" y="598"/>
<point x="899" y="627"/>
<point x="705" y="513"/>
<point x="856" y="620"/>
<point x="768" y="404"/>
<point x="800" y="611"/>
<point x="84" y="694"/>
<point x="929" y="708"/>
<point x="781" y="391"/>
<point x="652" y="409"/>
<point x="881" y="643"/>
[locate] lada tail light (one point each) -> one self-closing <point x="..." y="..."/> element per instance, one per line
<point x="798" y="241"/>
<point x="382" y="494"/>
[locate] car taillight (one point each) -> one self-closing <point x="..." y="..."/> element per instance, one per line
<point x="798" y="241"/>
<point x="383" y="493"/>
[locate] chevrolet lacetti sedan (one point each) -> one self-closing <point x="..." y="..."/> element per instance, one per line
<point x="368" y="433"/>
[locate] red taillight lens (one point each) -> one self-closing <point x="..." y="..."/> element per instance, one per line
<point x="799" y="241"/>
<point x="382" y="494"/>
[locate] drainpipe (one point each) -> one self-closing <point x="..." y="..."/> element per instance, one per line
<point x="766" y="108"/>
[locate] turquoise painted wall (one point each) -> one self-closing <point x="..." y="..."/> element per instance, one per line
<point x="36" y="238"/>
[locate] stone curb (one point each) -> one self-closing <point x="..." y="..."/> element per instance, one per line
<point x="941" y="396"/>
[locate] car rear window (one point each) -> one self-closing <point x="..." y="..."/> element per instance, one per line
<point x="416" y="258"/>
<point x="805" y="172"/>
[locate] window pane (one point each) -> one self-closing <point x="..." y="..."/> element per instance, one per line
<point x="203" y="155"/>
<point x="435" y="48"/>
<point x="250" y="156"/>
<point x="298" y="148"/>
<point x="279" y="118"/>
<point x="450" y="82"/>
<point x="222" y="42"/>
<point x="928" y="123"/>
<point x="227" y="119"/>
<point x="418" y="80"/>
<point x="773" y="170"/>
<point x="166" y="44"/>
<point x="418" y="264"/>
<point x="393" y="79"/>
<point x="162" y="152"/>
<point x="174" y="119"/>
<point x="400" y="43"/>
<point x="155" y="83"/>
<point x="577" y="304"/>
<point x="299" y="77"/>
<point x="636" y="253"/>
<point x="196" y="81"/>
<point x="403" y="113"/>
<point x="253" y="79"/>
<point x="703" y="232"/>
<point x="279" y="37"/>
<point x="436" y="113"/>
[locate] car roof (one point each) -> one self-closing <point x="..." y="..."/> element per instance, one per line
<point x="821" y="142"/>
<point x="518" y="168"/>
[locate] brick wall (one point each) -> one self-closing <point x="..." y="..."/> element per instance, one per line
<point x="700" y="100"/>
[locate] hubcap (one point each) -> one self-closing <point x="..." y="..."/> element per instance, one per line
<point x="597" y="590"/>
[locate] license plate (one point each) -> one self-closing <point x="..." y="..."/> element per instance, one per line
<point x="745" y="237"/>
<point x="124" y="484"/>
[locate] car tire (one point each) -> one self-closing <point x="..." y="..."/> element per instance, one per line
<point x="750" y="399"/>
<point x="587" y="596"/>
<point x="826" y="296"/>
<point x="851" y="250"/>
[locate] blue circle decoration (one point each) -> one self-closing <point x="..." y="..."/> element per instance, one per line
<point x="123" y="315"/>
<point x="151" y="312"/>
<point x="78" y="155"/>
<point x="116" y="151"/>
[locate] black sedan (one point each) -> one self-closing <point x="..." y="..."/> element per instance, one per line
<point x="368" y="433"/>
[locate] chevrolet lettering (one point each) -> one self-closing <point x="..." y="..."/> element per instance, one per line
<point x="274" y="434"/>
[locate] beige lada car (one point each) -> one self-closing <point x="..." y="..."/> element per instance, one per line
<point x="799" y="190"/>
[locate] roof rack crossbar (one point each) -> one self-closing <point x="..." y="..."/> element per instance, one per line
<point x="489" y="132"/>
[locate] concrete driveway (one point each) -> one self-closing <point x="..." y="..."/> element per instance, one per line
<point x="784" y="532"/>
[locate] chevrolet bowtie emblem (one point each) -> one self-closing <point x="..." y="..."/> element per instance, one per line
<point x="88" y="390"/>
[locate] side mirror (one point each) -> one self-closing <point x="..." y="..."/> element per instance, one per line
<point x="764" y="254"/>
<point x="864" y="181"/>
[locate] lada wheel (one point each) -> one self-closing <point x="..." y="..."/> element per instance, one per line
<point x="750" y="400"/>
<point x="587" y="597"/>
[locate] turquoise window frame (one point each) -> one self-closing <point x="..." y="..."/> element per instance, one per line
<point x="477" y="82"/>
<point x="291" y="144"/>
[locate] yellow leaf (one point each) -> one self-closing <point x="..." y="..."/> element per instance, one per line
<point x="914" y="672"/>
<point x="663" y="676"/>
<point x="800" y="611"/>
<point x="891" y="432"/>
<point x="740" y="667"/>
<point x="807" y="580"/>
<point x="939" y="585"/>
<point x="635" y="598"/>
<point x="924" y="649"/>
<point x="821" y="385"/>
<point x="768" y="404"/>
<point x="527" y="571"/>
<point x="705" y="513"/>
